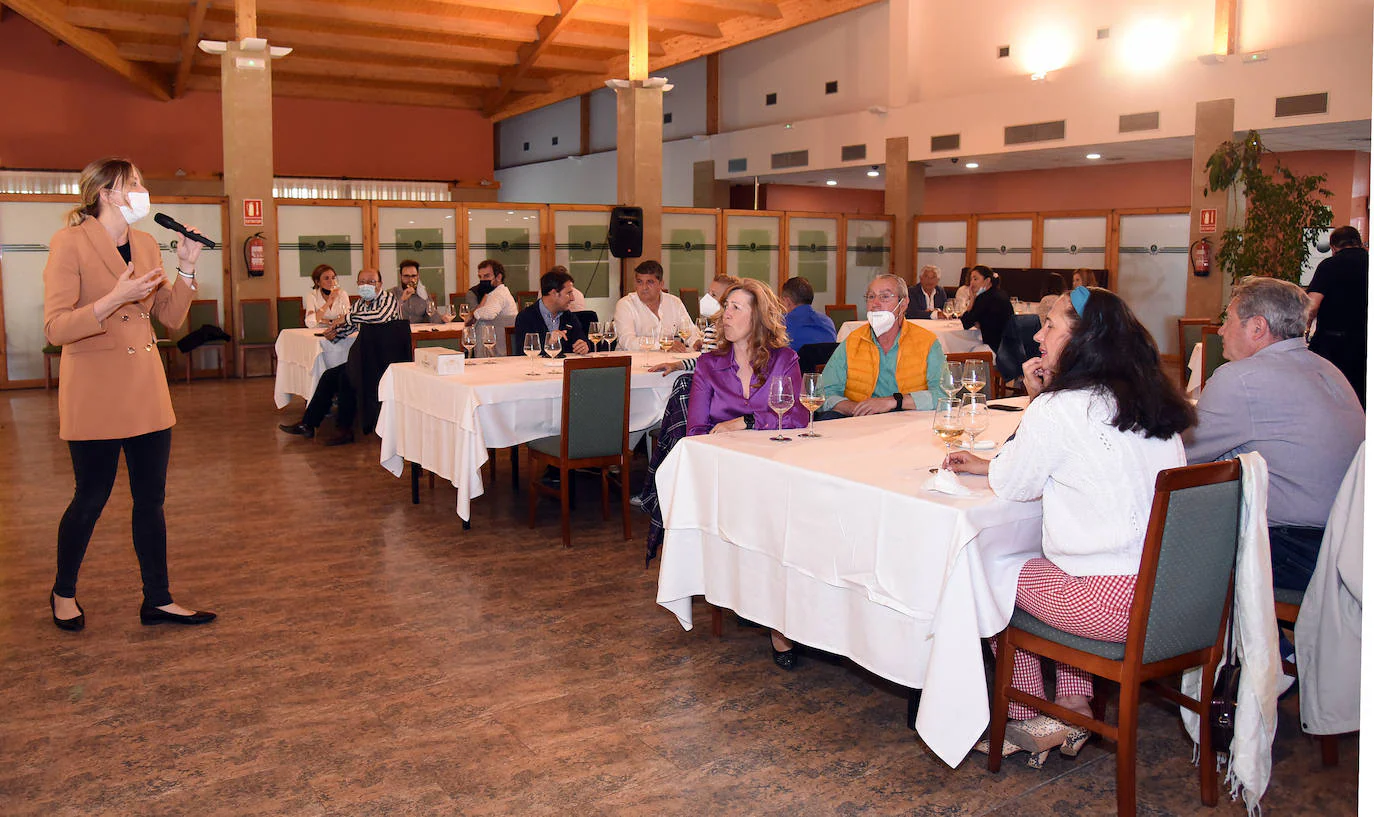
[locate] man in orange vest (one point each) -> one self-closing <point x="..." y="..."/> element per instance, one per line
<point x="889" y="365"/>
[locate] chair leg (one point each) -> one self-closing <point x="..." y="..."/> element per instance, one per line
<point x="515" y="467"/>
<point x="1331" y="750"/>
<point x="1207" y="766"/>
<point x="187" y="356"/>
<point x="913" y="705"/>
<point x="605" y="496"/>
<point x="563" y="476"/>
<point x="1001" y="679"/>
<point x="533" y="487"/>
<point x="47" y="372"/>
<point x="625" y="495"/>
<point x="1125" y="746"/>
<point x="717" y="621"/>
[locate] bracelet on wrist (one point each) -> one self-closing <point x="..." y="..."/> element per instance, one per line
<point x="184" y="274"/>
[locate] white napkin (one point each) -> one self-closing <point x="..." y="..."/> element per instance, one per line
<point x="981" y="445"/>
<point x="946" y="482"/>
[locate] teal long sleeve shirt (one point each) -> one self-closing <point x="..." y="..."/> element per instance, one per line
<point x="837" y="374"/>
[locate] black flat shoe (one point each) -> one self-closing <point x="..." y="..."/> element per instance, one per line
<point x="151" y="615"/>
<point x="787" y="659"/>
<point x="299" y="429"/>
<point x="69" y="624"/>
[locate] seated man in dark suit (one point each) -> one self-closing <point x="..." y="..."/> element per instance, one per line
<point x="927" y="297"/>
<point x="550" y="314"/>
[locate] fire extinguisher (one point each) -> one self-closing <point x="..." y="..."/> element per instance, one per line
<point x="1200" y="256"/>
<point x="255" y="255"/>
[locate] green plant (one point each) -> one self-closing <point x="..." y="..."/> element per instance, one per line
<point x="1284" y="211"/>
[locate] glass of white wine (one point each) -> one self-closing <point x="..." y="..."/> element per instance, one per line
<point x="947" y="422"/>
<point x="532" y="350"/>
<point x="684" y="332"/>
<point x="489" y="341"/>
<point x="447" y="314"/>
<point x="464" y="311"/>
<point x="975" y="417"/>
<point x="951" y="379"/>
<point x="975" y="376"/>
<point x="812" y="397"/>
<point x="594" y="334"/>
<point x="666" y="339"/>
<point x="781" y="398"/>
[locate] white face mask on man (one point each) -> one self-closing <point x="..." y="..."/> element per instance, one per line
<point x="138" y="208"/>
<point x="709" y="306"/>
<point x="881" y="321"/>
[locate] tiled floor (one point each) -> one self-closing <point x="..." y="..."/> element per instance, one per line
<point x="374" y="658"/>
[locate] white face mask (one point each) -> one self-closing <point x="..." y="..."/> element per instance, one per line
<point x="138" y="208"/>
<point x="709" y="305"/>
<point x="881" y="321"/>
<point x="367" y="291"/>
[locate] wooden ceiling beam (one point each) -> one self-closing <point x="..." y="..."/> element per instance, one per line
<point x="150" y="52"/>
<point x="195" y="20"/>
<point x="621" y="17"/>
<point x="558" y="62"/>
<point x="607" y="42"/>
<point x="539" y="8"/>
<point x="49" y="17"/>
<point x="754" y="8"/>
<point x="303" y="39"/>
<point x="353" y="70"/>
<point x="529" y="53"/>
<point x="379" y="15"/>
<point x="735" y="31"/>
<point x="111" y="20"/>
<point x="350" y="93"/>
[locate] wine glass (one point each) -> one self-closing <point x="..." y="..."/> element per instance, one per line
<point x="948" y="423"/>
<point x="532" y="351"/>
<point x="975" y="375"/>
<point x="470" y="340"/>
<point x="594" y="334"/>
<point x="666" y="339"/>
<point x="647" y="343"/>
<point x="952" y="378"/>
<point x="489" y="341"/>
<point x="608" y="334"/>
<point x="780" y="400"/>
<point x="684" y="331"/>
<point x="812" y="397"/>
<point x="553" y="344"/>
<point x="447" y="314"/>
<point x="429" y="307"/>
<point x="464" y="311"/>
<point x="974" y="416"/>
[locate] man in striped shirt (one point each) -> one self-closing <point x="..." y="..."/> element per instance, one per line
<point x="375" y="305"/>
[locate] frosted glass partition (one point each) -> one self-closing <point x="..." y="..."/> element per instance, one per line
<point x="1152" y="274"/>
<point x="209" y="219"/>
<point x="868" y="252"/>
<point x="689" y="250"/>
<point x="428" y="235"/>
<point x="751" y="247"/>
<point x="1070" y="243"/>
<point x="813" y="254"/>
<point x="25" y="230"/>
<point x="1005" y="242"/>
<point x="314" y="234"/>
<point x="943" y="244"/>
<point x="580" y="245"/>
<point x="508" y="236"/>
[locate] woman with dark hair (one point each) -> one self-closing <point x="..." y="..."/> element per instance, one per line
<point x="991" y="311"/>
<point x="1103" y="421"/>
<point x="326" y="304"/>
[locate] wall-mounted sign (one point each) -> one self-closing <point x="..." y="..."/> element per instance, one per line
<point x="1207" y="220"/>
<point x="252" y="213"/>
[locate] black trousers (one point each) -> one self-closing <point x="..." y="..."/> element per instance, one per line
<point x="333" y="382"/>
<point x="94" y="462"/>
<point x="1293" y="551"/>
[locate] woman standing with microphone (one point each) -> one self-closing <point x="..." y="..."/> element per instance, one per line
<point x="103" y="284"/>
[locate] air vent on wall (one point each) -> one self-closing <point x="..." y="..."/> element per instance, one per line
<point x="949" y="141"/>
<point x="853" y="153"/>
<point x="1300" y="105"/>
<point x="790" y="158"/>
<point x="736" y="165"/>
<point x="1131" y="122"/>
<point x="1038" y="132"/>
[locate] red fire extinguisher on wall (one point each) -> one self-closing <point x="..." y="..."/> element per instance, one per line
<point x="1200" y="256"/>
<point x="255" y="255"/>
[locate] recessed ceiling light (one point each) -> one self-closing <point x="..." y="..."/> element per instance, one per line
<point x="1094" y="156"/>
<point x="971" y="165"/>
<point x="831" y="182"/>
<point x="873" y="172"/>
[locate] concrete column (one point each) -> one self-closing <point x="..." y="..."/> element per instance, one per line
<point x="639" y="166"/>
<point x="1215" y="123"/>
<point x="904" y="198"/>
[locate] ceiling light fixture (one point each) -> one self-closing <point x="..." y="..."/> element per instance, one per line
<point x="1094" y="156"/>
<point x="971" y="165"/>
<point x="873" y="172"/>
<point x="831" y="182"/>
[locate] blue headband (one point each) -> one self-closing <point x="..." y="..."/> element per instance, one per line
<point x="1079" y="299"/>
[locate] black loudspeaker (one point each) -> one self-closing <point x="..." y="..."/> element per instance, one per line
<point x="625" y="235"/>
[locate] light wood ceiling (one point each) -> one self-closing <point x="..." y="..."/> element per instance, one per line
<point x="499" y="57"/>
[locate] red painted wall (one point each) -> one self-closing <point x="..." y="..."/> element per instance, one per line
<point x="63" y="110"/>
<point x="804" y="198"/>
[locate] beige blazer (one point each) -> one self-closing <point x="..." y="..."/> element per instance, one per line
<point x="111" y="384"/>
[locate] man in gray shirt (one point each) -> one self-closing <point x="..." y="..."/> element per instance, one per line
<point x="412" y="302"/>
<point x="1292" y="406"/>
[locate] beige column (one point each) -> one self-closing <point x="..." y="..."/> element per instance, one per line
<point x="903" y="199"/>
<point x="639" y="166"/>
<point x="1215" y="123"/>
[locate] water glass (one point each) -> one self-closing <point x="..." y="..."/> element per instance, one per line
<point x="780" y="400"/>
<point x="553" y="344"/>
<point x="608" y="334"/>
<point x="532" y="350"/>
<point x="489" y="341"/>
<point x="470" y="340"/>
<point x="974" y="416"/>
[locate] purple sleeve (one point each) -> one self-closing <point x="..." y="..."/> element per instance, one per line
<point x="699" y="401"/>
<point x="784" y="365"/>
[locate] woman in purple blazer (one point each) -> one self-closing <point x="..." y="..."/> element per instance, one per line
<point x="730" y="386"/>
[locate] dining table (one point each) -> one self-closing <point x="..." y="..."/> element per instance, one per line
<point x="304" y="354"/>
<point x="841" y="543"/>
<point x="951" y="333"/>
<point x="445" y="423"/>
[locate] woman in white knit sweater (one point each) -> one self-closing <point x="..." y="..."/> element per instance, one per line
<point x="1103" y="421"/>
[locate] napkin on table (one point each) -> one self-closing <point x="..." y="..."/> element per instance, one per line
<point x="946" y="481"/>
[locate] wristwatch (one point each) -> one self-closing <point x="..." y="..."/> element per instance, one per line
<point x="898" y="397"/>
<point x="749" y="421"/>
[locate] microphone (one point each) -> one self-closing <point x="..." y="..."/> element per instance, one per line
<point x="176" y="226"/>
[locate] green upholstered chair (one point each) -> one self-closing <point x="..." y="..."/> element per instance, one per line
<point x="596" y="434"/>
<point x="255" y="331"/>
<point x="50" y="351"/>
<point x="1178" y="618"/>
<point x="841" y="314"/>
<point x="1212" y="357"/>
<point x="456" y="344"/>
<point x="691" y="298"/>
<point x="204" y="312"/>
<point x="290" y="313"/>
<point x="1189" y="335"/>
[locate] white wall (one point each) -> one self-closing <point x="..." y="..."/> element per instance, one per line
<point x="592" y="179"/>
<point x="538" y="129"/>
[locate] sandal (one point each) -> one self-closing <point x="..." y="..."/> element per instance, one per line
<point x="1035" y="761"/>
<point x="1074" y="741"/>
<point x="1038" y="736"/>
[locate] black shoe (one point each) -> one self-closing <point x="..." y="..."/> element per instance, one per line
<point x="150" y="615"/>
<point x="299" y="429"/>
<point x="787" y="659"/>
<point x="342" y="438"/>
<point x="69" y="624"/>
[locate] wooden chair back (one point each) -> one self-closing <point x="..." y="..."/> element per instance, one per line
<point x="691" y="298"/>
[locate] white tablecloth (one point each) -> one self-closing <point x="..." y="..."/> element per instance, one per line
<point x="446" y="424"/>
<point x="302" y="356"/>
<point x="835" y="543"/>
<point x="952" y="334"/>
